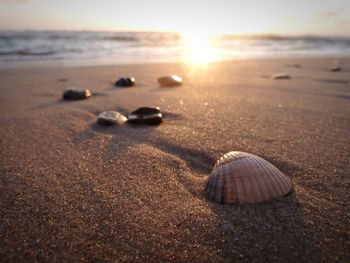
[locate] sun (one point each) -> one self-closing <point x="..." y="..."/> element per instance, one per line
<point x="199" y="47"/>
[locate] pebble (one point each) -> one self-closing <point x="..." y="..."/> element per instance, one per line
<point x="335" y="68"/>
<point x="76" y="94"/>
<point x="280" y="76"/>
<point x="125" y="82"/>
<point x="170" y="81"/>
<point x="146" y="115"/>
<point x="111" y="118"/>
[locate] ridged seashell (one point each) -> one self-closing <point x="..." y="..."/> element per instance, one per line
<point x="76" y="94"/>
<point x="240" y="178"/>
<point x="111" y="118"/>
<point x="125" y="82"/>
<point x="281" y="75"/>
<point x="170" y="81"/>
<point x="146" y="115"/>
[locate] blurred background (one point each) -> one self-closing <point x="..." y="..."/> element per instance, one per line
<point x="48" y="32"/>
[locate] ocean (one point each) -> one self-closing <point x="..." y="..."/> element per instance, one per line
<point x="55" y="48"/>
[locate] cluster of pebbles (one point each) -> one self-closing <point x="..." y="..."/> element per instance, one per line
<point x="143" y="115"/>
<point x="237" y="177"/>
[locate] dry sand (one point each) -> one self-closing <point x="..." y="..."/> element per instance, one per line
<point x="73" y="191"/>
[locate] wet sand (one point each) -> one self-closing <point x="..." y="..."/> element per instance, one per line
<point x="72" y="190"/>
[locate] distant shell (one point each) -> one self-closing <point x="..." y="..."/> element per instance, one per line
<point x="240" y="178"/>
<point x="170" y="81"/>
<point x="111" y="118"/>
<point x="280" y="76"/>
<point x="146" y="115"/>
<point x="76" y="94"/>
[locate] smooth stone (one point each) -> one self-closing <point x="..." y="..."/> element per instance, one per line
<point x="125" y="82"/>
<point x="170" y="81"/>
<point x="280" y="76"/>
<point x="76" y="94"/>
<point x="146" y="115"/>
<point x="335" y="68"/>
<point x="111" y="118"/>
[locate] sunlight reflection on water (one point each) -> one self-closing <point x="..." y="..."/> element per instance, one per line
<point x="199" y="49"/>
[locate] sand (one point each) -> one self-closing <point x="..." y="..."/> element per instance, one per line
<point x="73" y="191"/>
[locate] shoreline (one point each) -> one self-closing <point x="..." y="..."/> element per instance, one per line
<point x="72" y="190"/>
<point x="133" y="63"/>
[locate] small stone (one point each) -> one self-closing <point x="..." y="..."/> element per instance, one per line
<point x="146" y="115"/>
<point x="125" y="82"/>
<point x="335" y="68"/>
<point x="280" y="76"/>
<point x="170" y="81"/>
<point x="76" y="94"/>
<point x="111" y="118"/>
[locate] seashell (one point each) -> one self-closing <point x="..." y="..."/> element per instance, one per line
<point x="111" y="118"/>
<point x="239" y="178"/>
<point x="125" y="82"/>
<point x="146" y="115"/>
<point x="76" y="94"/>
<point x="335" y="68"/>
<point x="281" y="75"/>
<point x="170" y="81"/>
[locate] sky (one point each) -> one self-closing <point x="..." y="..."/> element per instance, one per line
<point x="288" y="17"/>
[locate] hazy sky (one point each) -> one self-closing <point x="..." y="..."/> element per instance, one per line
<point x="325" y="17"/>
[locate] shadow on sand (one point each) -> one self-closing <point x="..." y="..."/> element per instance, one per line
<point x="272" y="231"/>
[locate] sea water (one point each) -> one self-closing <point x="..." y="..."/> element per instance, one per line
<point x="55" y="48"/>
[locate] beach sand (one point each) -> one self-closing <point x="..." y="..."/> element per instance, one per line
<point x="72" y="190"/>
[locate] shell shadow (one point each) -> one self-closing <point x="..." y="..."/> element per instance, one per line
<point x="268" y="231"/>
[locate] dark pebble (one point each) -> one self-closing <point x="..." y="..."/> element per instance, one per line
<point x="76" y="94"/>
<point x="335" y="68"/>
<point x="146" y="115"/>
<point x="280" y="76"/>
<point x="125" y="82"/>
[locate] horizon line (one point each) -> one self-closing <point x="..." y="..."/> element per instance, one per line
<point x="267" y="34"/>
